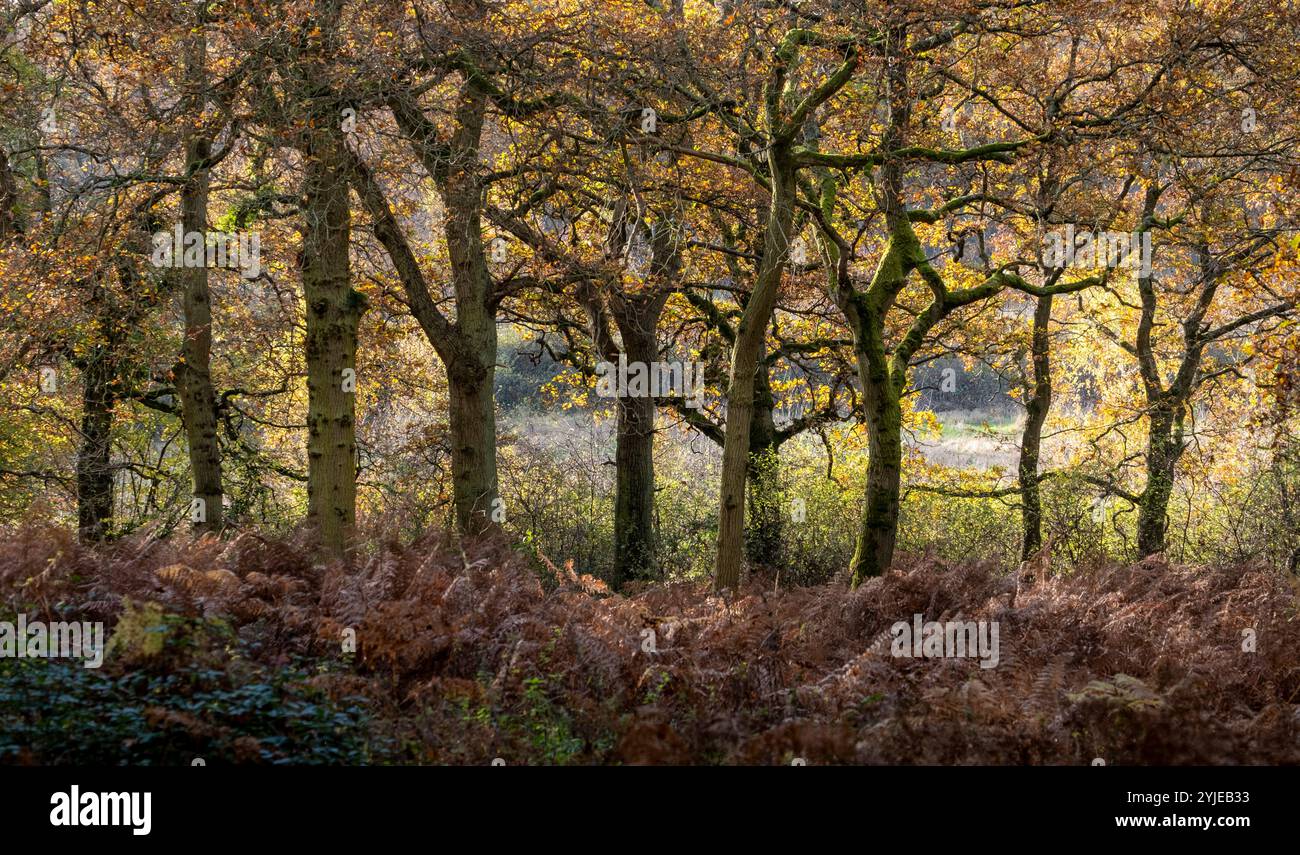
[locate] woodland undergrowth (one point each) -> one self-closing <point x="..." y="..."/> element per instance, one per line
<point x="469" y="652"/>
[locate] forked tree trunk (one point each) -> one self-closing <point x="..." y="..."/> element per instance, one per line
<point x="1165" y="407"/>
<point x="882" y="374"/>
<point x="333" y="311"/>
<point x="467" y="347"/>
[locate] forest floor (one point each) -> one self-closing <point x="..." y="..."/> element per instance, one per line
<point x="241" y="651"/>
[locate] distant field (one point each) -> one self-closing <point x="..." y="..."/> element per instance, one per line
<point x="969" y="440"/>
<point x="973" y="440"/>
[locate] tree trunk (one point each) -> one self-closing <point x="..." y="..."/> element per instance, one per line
<point x="333" y="311"/>
<point x="1164" y="447"/>
<point x="8" y="198"/>
<point x="766" y="508"/>
<point x="750" y="335"/>
<point x="634" y="503"/>
<point x="194" y="373"/>
<point x="471" y="372"/>
<point x="44" y="194"/>
<point x="1031" y="440"/>
<point x="882" y="379"/>
<point x="883" y="376"/>
<point x="473" y="442"/>
<point x="467" y="347"/>
<point x="878" y="528"/>
<point x="94" y="459"/>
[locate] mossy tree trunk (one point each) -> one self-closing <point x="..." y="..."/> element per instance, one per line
<point x="94" y="458"/>
<point x="1037" y="405"/>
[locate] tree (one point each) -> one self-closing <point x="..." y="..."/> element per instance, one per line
<point x="194" y="369"/>
<point x="333" y="308"/>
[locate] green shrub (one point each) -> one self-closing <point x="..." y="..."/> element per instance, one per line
<point x="195" y="697"/>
